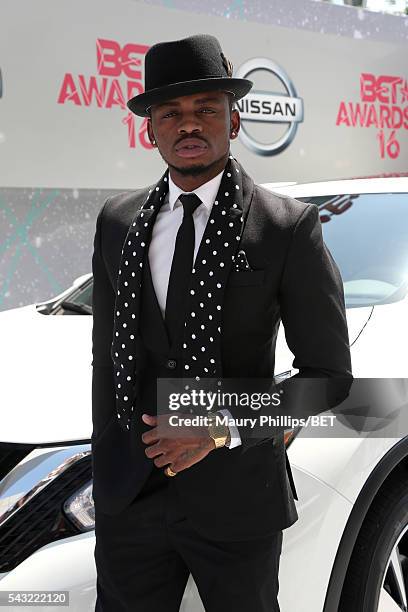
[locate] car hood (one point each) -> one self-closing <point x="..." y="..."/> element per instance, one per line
<point x="46" y="376"/>
<point x="46" y="365"/>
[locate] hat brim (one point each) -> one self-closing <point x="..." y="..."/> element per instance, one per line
<point x="140" y="104"/>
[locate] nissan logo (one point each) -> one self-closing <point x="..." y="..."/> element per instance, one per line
<point x="269" y="107"/>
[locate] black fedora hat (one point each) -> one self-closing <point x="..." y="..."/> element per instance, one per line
<point x="184" y="67"/>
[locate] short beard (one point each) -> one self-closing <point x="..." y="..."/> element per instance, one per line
<point x="196" y="170"/>
<point x="193" y="170"/>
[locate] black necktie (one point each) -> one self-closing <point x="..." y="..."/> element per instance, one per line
<point x="180" y="273"/>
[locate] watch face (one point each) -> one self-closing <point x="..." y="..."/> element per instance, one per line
<point x="219" y="433"/>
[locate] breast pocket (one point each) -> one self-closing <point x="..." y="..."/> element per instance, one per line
<point x="246" y="278"/>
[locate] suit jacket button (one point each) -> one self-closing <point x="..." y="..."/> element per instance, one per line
<point x="171" y="364"/>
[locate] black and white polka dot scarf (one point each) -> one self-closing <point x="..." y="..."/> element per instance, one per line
<point x="201" y="346"/>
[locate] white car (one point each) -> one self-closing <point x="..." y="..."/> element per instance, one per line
<point x="349" y="549"/>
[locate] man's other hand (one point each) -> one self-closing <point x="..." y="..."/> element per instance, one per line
<point x="180" y="453"/>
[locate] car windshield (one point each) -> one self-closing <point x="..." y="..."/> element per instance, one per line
<point x="79" y="301"/>
<point x="367" y="235"/>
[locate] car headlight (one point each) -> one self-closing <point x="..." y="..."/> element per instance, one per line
<point x="80" y="508"/>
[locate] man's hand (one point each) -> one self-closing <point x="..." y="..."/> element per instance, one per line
<point x="179" y="452"/>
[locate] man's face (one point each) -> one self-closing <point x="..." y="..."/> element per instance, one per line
<point x="193" y="132"/>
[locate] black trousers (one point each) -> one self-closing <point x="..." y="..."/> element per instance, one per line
<point x="145" y="554"/>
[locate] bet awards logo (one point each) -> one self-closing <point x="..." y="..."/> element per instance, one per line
<point x="282" y="110"/>
<point x="118" y="78"/>
<point x="383" y="104"/>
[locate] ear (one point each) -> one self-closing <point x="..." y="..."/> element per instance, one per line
<point x="235" y="124"/>
<point x="150" y="132"/>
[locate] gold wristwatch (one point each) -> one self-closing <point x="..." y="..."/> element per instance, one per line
<point x="218" y="432"/>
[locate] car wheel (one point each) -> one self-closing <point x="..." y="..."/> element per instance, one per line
<point x="377" y="576"/>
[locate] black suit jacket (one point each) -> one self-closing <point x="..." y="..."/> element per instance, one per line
<point x="245" y="492"/>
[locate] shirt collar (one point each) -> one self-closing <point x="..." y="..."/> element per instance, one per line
<point x="206" y="192"/>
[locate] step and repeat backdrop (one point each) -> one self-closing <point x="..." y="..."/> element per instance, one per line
<point x="330" y="99"/>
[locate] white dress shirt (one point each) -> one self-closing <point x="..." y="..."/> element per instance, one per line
<point x="162" y="245"/>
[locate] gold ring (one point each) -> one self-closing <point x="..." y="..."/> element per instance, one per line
<point x="169" y="472"/>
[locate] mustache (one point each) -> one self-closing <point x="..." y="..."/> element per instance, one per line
<point x="188" y="137"/>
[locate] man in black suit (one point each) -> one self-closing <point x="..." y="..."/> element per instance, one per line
<point x="192" y="277"/>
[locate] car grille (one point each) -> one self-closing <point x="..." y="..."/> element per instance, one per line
<point x="42" y="519"/>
